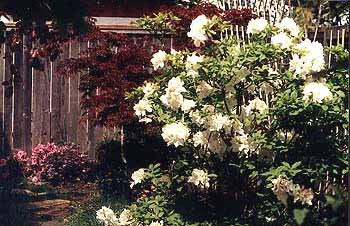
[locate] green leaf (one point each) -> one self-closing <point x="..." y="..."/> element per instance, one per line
<point x="296" y="165"/>
<point x="300" y="215"/>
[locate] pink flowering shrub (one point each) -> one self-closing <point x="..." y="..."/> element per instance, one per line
<point x="59" y="164"/>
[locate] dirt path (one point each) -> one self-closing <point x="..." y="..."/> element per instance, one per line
<point x="52" y="209"/>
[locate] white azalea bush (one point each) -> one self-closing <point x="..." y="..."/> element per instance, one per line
<point x="260" y="129"/>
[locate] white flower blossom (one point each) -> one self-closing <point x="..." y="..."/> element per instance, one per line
<point x="176" y="85"/>
<point x="137" y="177"/>
<point x="308" y="58"/>
<point x="218" y="122"/>
<point x="200" y="138"/>
<point x="192" y="61"/>
<point x="197" y="32"/>
<point x="142" y="107"/>
<point x="156" y="223"/>
<point x="125" y="218"/>
<point x="241" y="143"/>
<point x="158" y="59"/>
<point x="175" y="133"/>
<point x="106" y="216"/>
<point x="192" y="65"/>
<point x="282" y="40"/>
<point x="282" y="187"/>
<point x="173" y="97"/>
<point x="289" y="24"/>
<point x="196" y="118"/>
<point x="199" y="178"/>
<point x="204" y="89"/>
<point x="149" y="88"/>
<point x="303" y="195"/>
<point x="256" y="25"/>
<point x="187" y="105"/>
<point x="208" y="108"/>
<point x="257" y="105"/>
<point x="316" y="92"/>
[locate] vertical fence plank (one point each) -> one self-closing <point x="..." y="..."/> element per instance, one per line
<point x="18" y="99"/>
<point x="82" y="138"/>
<point x="37" y="101"/>
<point x="27" y="96"/>
<point x="2" y="79"/>
<point x="8" y="94"/>
<point x="73" y="107"/>
<point x="64" y="96"/>
<point x="56" y="104"/>
<point x="45" y="126"/>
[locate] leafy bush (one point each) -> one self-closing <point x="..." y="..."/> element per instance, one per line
<point x="59" y="164"/>
<point x="260" y="125"/>
<point x="114" y="167"/>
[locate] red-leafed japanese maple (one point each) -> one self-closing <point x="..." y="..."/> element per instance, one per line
<point x="113" y="65"/>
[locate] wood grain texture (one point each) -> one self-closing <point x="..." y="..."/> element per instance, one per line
<point x="2" y="79"/>
<point x="17" y="120"/>
<point x="8" y="94"/>
<point x="27" y="96"/>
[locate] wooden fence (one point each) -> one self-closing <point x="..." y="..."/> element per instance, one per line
<point x="42" y="106"/>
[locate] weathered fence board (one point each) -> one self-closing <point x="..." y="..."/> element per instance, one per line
<point x="73" y="107"/>
<point x="27" y="94"/>
<point x="38" y="79"/>
<point x="2" y="74"/>
<point x="18" y="98"/>
<point x="45" y="104"/>
<point x="8" y="92"/>
<point x="82" y="130"/>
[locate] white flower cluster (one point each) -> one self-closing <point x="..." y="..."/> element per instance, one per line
<point x="108" y="217"/>
<point x="257" y="25"/>
<point x="158" y="59"/>
<point x="175" y="134"/>
<point x="192" y="64"/>
<point x="157" y="223"/>
<point x="308" y="58"/>
<point x="198" y="32"/>
<point x="282" y="188"/>
<point x="282" y="40"/>
<point x="243" y="143"/>
<point x="288" y="25"/>
<point x="173" y="97"/>
<point x="125" y="218"/>
<point x="144" y="105"/>
<point x="199" y="178"/>
<point x="204" y="90"/>
<point x="316" y="92"/>
<point x="137" y="177"/>
<point x="255" y="105"/>
<point x="303" y="195"/>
